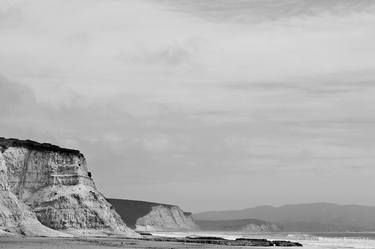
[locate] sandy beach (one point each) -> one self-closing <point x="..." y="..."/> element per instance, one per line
<point x="94" y="243"/>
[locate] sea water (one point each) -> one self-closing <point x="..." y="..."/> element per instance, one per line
<point x="309" y="241"/>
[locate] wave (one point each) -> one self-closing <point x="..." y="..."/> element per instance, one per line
<point x="309" y="241"/>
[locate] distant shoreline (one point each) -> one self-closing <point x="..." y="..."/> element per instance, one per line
<point x="111" y="242"/>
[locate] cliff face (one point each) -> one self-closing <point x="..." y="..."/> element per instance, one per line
<point x="53" y="185"/>
<point x="165" y="218"/>
<point x="249" y="225"/>
<point x="261" y="228"/>
<point x="149" y="216"/>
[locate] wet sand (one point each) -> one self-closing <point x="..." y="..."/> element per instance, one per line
<point x="97" y="243"/>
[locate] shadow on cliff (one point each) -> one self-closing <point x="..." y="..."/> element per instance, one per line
<point x="151" y="216"/>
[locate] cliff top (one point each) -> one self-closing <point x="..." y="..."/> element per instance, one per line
<point x="131" y="210"/>
<point x="32" y="145"/>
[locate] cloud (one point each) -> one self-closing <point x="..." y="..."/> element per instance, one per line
<point x="195" y="93"/>
<point x="171" y="55"/>
<point x="253" y="11"/>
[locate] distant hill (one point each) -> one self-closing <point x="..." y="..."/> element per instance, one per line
<point x="315" y="217"/>
<point x="151" y="216"/>
<point x="252" y="225"/>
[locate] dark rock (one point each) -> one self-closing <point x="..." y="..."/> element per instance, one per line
<point x="286" y="243"/>
<point x="225" y="242"/>
<point x="32" y="145"/>
<point x="205" y="238"/>
<point x="253" y="242"/>
<point x="144" y="233"/>
<point x="246" y="239"/>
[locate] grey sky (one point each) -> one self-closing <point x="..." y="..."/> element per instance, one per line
<point x="206" y="104"/>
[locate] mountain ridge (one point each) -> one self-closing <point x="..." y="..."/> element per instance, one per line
<point x="309" y="217"/>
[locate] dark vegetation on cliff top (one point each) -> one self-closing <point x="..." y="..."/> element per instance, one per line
<point x="131" y="210"/>
<point x="32" y="145"/>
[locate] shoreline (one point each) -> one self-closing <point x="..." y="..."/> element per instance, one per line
<point x="118" y="242"/>
<point x="251" y="242"/>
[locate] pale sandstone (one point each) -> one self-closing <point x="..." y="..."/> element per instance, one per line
<point x="166" y="218"/>
<point x="49" y="185"/>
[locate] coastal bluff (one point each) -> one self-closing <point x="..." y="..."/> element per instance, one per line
<point x="46" y="190"/>
<point x="244" y="225"/>
<point x="150" y="216"/>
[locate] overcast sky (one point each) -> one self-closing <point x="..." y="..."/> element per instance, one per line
<point x="210" y="104"/>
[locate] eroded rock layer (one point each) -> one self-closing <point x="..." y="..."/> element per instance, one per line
<point x="149" y="216"/>
<point x="248" y="225"/>
<point x="53" y="185"/>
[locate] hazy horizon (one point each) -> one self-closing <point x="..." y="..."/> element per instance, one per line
<point x="210" y="105"/>
<point x="285" y="205"/>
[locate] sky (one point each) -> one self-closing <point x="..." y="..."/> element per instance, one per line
<point x="211" y="104"/>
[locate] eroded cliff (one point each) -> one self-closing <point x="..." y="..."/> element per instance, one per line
<point x="43" y="183"/>
<point x="248" y="225"/>
<point x="149" y="216"/>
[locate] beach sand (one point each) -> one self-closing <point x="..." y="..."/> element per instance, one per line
<point x="96" y="243"/>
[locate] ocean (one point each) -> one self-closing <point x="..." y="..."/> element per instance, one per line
<point x="309" y="241"/>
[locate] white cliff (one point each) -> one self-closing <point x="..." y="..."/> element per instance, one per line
<point x="42" y="183"/>
<point x="165" y="218"/>
<point x="258" y="228"/>
<point x="248" y="225"/>
<point x="149" y="216"/>
<point x="15" y="216"/>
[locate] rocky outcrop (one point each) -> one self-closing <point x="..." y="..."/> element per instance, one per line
<point x="17" y="218"/>
<point x="149" y="216"/>
<point x="170" y="218"/>
<point x="243" y="242"/>
<point x="249" y="225"/>
<point x="49" y="185"/>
